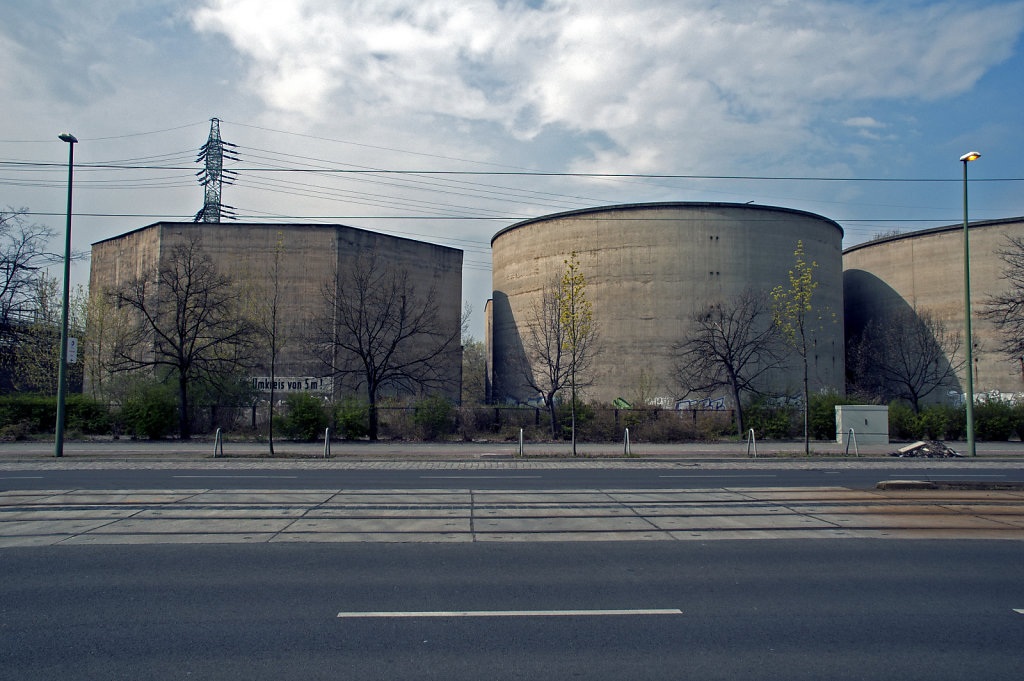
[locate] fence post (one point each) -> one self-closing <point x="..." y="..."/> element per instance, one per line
<point x="852" y="436"/>
<point x="751" y="440"/>
<point x="218" y="445"/>
<point x="327" y="443"/>
<point x="627" y="452"/>
<point x="520" y="443"/>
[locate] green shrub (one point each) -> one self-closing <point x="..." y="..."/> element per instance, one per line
<point x="933" y="423"/>
<point x="27" y="414"/>
<point x="770" y="420"/>
<point x="86" y="415"/>
<point x="11" y="432"/>
<point x="305" y="417"/>
<point x="352" y="418"/>
<point x="584" y="415"/>
<point x="994" y="421"/>
<point x="1018" y="415"/>
<point x="434" y="416"/>
<point x="37" y="413"/>
<point x="903" y="422"/>
<point x="956" y="422"/>
<point x="821" y="417"/>
<point x="150" y="410"/>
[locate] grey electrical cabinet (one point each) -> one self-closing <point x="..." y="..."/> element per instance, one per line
<point x="869" y="423"/>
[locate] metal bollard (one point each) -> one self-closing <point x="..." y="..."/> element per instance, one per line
<point x="852" y="437"/>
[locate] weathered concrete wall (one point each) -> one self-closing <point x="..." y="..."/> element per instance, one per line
<point x="924" y="271"/>
<point x="133" y="255"/>
<point x="310" y="258"/>
<point x="649" y="269"/>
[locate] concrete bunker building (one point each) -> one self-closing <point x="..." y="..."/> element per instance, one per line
<point x="311" y="255"/>
<point x="650" y="268"/>
<point x="923" y="270"/>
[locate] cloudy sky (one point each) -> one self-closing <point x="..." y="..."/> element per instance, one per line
<point x="802" y="104"/>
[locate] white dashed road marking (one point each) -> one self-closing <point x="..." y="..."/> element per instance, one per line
<point x="508" y="613"/>
<point x="275" y="477"/>
<point x="479" y="477"/>
<point x="755" y="475"/>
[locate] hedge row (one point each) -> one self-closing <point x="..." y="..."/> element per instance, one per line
<point x="22" y="415"/>
<point x="151" y="411"/>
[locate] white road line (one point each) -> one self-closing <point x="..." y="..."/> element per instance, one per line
<point x="720" y="476"/>
<point x="978" y="475"/>
<point x="281" y="477"/>
<point x="507" y="613"/>
<point x="478" y="477"/>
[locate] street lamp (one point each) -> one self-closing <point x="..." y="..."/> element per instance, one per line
<point x="970" y="156"/>
<point x="63" y="362"/>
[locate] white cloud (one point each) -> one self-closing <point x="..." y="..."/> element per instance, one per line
<point x="656" y="77"/>
<point x="863" y="122"/>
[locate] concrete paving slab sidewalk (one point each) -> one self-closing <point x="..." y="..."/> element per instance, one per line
<point x="457" y="452"/>
<point x="211" y="516"/>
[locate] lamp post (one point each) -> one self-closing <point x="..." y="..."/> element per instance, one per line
<point x="63" y="362"/>
<point x="970" y="156"/>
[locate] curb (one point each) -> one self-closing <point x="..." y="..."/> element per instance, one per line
<point x="949" y="484"/>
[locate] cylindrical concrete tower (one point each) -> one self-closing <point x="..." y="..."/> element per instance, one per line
<point x="923" y="272"/>
<point x="649" y="268"/>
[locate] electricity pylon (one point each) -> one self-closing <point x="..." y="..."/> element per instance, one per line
<point x="213" y="176"/>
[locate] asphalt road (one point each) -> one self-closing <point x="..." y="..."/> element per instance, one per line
<point x="687" y="475"/>
<point x="824" y="609"/>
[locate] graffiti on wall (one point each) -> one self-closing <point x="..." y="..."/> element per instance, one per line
<point x="706" y="404"/>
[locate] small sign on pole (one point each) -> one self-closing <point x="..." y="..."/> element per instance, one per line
<point x="72" y="350"/>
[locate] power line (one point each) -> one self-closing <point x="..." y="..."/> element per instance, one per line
<point x="384" y="171"/>
<point x="111" y="137"/>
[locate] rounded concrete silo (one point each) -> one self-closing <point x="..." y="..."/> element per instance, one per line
<point x="923" y="272"/>
<point x="649" y="269"/>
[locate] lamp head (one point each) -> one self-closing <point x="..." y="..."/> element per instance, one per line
<point x="67" y="137"/>
<point x="970" y="156"/>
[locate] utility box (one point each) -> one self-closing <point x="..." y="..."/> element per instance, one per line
<point x="869" y="422"/>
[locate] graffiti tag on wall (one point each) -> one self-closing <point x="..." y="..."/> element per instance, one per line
<point x="706" y="404"/>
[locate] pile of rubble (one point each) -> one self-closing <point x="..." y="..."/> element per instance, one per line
<point x="930" y="449"/>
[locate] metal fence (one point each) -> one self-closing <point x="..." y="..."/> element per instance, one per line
<point x="595" y="424"/>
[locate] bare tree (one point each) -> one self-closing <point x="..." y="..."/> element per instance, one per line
<point x="732" y="345"/>
<point x="189" y="321"/>
<point x="905" y="355"/>
<point x="1006" y="310"/>
<point x="381" y="334"/>
<point x="578" y="328"/>
<point x="546" y="369"/>
<point x="105" y="325"/>
<point x="35" y="357"/>
<point x="474" y="368"/>
<point x="23" y="255"/>
<point x="267" y="314"/>
<point x="551" y="358"/>
<point x="474" y="363"/>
